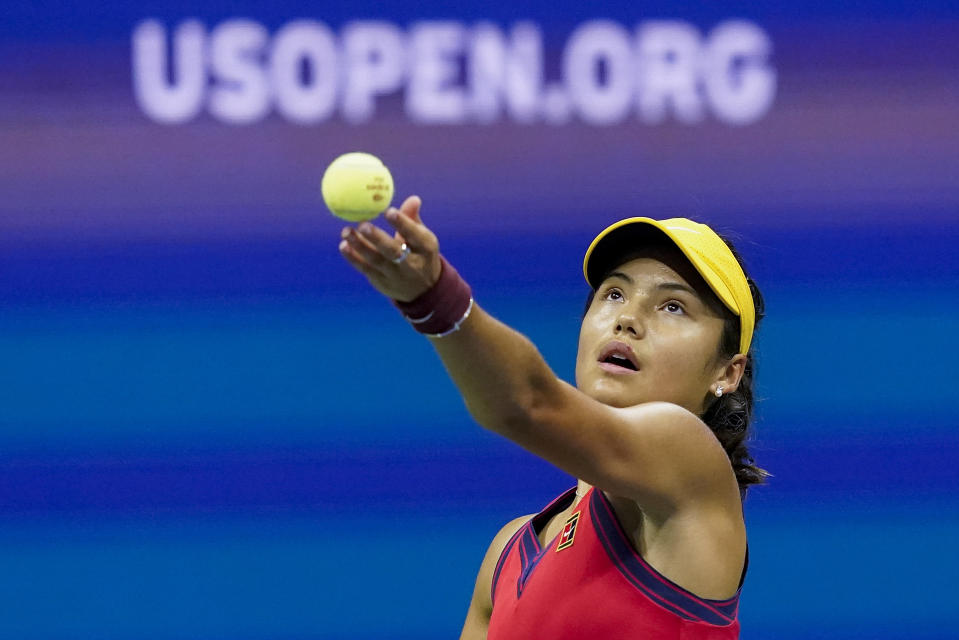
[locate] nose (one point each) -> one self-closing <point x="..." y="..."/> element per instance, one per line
<point x="629" y="324"/>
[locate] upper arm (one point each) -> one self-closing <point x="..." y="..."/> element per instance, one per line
<point x="657" y="453"/>
<point x="481" y="604"/>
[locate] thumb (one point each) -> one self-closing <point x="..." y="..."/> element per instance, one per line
<point x="411" y="208"/>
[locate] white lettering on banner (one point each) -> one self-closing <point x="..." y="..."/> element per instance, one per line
<point x="435" y="51"/>
<point x="501" y="70"/>
<point x="668" y="60"/>
<point x="304" y="71"/>
<point x="597" y="65"/>
<point x="454" y="73"/>
<point x="739" y="97"/>
<point x="240" y="93"/>
<point x="374" y="66"/>
<point x="180" y="99"/>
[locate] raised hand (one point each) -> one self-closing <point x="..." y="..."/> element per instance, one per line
<point x="401" y="267"/>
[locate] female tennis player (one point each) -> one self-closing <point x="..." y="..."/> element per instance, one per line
<point x="651" y="543"/>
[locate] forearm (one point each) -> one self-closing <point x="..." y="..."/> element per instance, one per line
<point x="510" y="390"/>
<point x="651" y="451"/>
<point x="500" y="374"/>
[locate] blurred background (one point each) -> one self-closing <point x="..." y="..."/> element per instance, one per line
<point x="211" y="427"/>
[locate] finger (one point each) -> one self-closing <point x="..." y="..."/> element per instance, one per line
<point x="388" y="247"/>
<point x="362" y="247"/>
<point x="411" y="207"/>
<point x="417" y="236"/>
<point x="356" y="260"/>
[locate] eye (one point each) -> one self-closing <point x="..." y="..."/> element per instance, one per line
<point x="674" y="307"/>
<point x="613" y="294"/>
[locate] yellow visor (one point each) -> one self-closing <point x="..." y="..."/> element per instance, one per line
<point x="706" y="251"/>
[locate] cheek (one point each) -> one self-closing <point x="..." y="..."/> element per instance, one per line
<point x="586" y="344"/>
<point x="682" y="364"/>
<point x="580" y="354"/>
<point x="679" y="355"/>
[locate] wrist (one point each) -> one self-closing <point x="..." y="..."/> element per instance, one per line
<point x="443" y="308"/>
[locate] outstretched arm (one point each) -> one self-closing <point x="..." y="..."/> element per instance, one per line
<point x="656" y="453"/>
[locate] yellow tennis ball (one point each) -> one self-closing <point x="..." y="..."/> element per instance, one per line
<point x="357" y="186"/>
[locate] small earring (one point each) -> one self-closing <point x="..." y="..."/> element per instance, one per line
<point x="719" y="392"/>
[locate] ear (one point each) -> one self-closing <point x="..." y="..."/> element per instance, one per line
<point x="731" y="375"/>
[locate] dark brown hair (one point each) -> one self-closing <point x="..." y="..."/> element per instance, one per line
<point x="729" y="416"/>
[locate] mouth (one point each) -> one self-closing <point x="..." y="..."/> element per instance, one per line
<point x="618" y="357"/>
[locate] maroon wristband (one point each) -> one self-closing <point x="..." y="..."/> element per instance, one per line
<point x="442" y="309"/>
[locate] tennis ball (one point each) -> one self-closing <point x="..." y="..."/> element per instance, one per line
<point x="357" y="186"/>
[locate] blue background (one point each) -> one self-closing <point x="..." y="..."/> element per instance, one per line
<point x="211" y="427"/>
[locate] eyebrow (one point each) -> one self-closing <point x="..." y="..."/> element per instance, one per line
<point x="668" y="286"/>
<point x="675" y="286"/>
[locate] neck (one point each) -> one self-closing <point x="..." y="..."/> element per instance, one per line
<point x="581" y="489"/>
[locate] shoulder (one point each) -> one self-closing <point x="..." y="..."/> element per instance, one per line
<point x="511" y="527"/>
<point x="503" y="536"/>
<point x="481" y="604"/>
<point x="674" y="458"/>
<point x="495" y="550"/>
<point x="676" y="428"/>
<point x="669" y="419"/>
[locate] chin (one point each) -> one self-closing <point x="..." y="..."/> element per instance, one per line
<point x="618" y="398"/>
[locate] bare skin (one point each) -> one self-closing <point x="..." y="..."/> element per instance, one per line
<point x="635" y="435"/>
